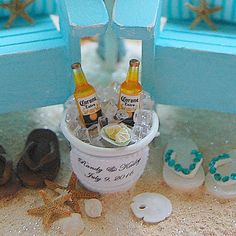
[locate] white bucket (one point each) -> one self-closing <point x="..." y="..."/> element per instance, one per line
<point x="108" y="170"/>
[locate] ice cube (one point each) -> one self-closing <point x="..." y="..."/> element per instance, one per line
<point x="143" y="117"/>
<point x="109" y="110"/>
<point x="82" y="134"/>
<point x="102" y="121"/>
<point x="121" y="115"/>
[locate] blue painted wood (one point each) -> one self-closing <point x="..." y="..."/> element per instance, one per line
<point x="35" y="59"/>
<point x="110" y="48"/>
<point x="135" y="19"/>
<point x="39" y="7"/>
<point x="195" y="69"/>
<point x="176" y="34"/>
<point x="88" y="17"/>
<point x="194" y="79"/>
<point x="173" y="9"/>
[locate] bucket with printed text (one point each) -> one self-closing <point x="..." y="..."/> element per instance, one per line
<point x="108" y="170"/>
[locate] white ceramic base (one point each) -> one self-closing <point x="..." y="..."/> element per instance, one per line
<point x="219" y="191"/>
<point x="183" y="184"/>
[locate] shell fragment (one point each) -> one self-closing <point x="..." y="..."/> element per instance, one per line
<point x="93" y="208"/>
<point x="151" y="207"/>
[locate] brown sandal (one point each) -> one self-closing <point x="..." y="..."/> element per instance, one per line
<point x="9" y="184"/>
<point x="40" y="159"/>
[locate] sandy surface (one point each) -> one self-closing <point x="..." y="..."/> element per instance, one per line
<point x="193" y="214"/>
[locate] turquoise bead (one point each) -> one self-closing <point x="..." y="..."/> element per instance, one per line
<point x="225" y="178"/>
<point x="192" y="166"/>
<point x="197" y="159"/>
<point x="178" y="167"/>
<point x="224" y="155"/>
<point x="186" y="171"/>
<point x="217" y="177"/>
<point x="194" y="152"/>
<point x="171" y="163"/>
<point x="167" y="158"/>
<point x="211" y="164"/>
<point x="233" y="176"/>
<point x="199" y="155"/>
<point x="213" y="170"/>
<point x="170" y="151"/>
<point x="215" y="159"/>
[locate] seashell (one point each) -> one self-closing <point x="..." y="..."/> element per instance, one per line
<point x="93" y="208"/>
<point x="72" y="225"/>
<point x="151" y="207"/>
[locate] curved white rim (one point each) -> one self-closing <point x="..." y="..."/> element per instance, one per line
<point x="110" y="152"/>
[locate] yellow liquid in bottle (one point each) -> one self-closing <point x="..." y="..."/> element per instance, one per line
<point x="86" y="98"/>
<point x="130" y="91"/>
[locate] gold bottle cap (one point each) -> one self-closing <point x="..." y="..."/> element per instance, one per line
<point x="76" y="65"/>
<point x="134" y="63"/>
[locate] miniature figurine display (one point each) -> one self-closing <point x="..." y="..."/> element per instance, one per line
<point x="118" y="115"/>
<point x="17" y="8"/>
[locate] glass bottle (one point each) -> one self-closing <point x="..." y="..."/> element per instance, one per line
<point x="85" y="95"/>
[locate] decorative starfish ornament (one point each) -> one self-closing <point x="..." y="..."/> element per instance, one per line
<point x="52" y="209"/>
<point x="71" y="188"/>
<point x="203" y="11"/>
<point x="17" y="8"/>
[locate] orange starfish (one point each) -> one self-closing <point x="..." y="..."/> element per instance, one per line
<point x="52" y="209"/>
<point x="17" y="8"/>
<point x="203" y="12"/>
<point x="76" y="194"/>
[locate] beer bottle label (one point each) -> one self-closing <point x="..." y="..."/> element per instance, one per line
<point x="90" y="109"/>
<point x="130" y="104"/>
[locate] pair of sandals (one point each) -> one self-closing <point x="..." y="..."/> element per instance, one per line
<point x="183" y="169"/>
<point x="39" y="160"/>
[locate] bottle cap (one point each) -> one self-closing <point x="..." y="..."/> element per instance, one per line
<point x="76" y="65"/>
<point x="134" y="63"/>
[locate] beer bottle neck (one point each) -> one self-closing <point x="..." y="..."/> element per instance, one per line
<point x="133" y="74"/>
<point x="79" y="77"/>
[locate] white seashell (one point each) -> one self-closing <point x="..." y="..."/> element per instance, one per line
<point x="72" y="225"/>
<point x="151" y="207"/>
<point x="93" y="207"/>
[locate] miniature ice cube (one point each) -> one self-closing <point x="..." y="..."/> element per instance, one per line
<point x="143" y="117"/>
<point x="82" y="134"/>
<point x="110" y="110"/>
<point x="146" y="101"/>
<point x="121" y="115"/>
<point x="102" y="121"/>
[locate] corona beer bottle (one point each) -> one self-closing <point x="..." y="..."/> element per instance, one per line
<point x="130" y="91"/>
<point x="85" y="95"/>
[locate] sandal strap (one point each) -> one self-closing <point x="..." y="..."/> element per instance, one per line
<point x="47" y="159"/>
<point x="7" y="172"/>
<point x="187" y="172"/>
